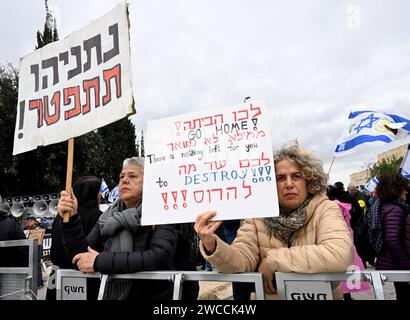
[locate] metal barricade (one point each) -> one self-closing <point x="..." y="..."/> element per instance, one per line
<point x="317" y="285"/>
<point x="72" y="282"/>
<point x="20" y="283"/>
<point x="177" y="277"/>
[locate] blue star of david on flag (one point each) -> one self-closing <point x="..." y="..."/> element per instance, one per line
<point x="369" y="128"/>
<point x="370" y="120"/>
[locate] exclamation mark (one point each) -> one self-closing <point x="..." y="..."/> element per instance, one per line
<point x="165" y="198"/>
<point x="268" y="170"/>
<point x="184" y="197"/>
<point x="174" y="195"/>
<point x="178" y="126"/>
<point x="21" y="119"/>
<point x="255" y="122"/>
<point x="260" y="169"/>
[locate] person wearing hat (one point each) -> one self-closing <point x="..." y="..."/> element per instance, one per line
<point x="31" y="223"/>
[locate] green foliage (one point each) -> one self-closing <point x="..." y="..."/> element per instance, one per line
<point x="385" y="167"/>
<point x="8" y="103"/>
<point x="142" y="144"/>
<point x="119" y="143"/>
<point x="50" y="33"/>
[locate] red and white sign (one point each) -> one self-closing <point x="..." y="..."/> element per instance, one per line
<point x="219" y="159"/>
<point x="75" y="85"/>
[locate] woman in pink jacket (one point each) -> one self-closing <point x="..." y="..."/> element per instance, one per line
<point x="309" y="235"/>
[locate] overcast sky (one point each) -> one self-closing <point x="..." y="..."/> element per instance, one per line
<point x="310" y="60"/>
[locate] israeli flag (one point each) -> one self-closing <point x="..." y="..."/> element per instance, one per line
<point x="114" y="194"/>
<point x="371" y="185"/>
<point x="104" y="188"/>
<point x="405" y="165"/>
<point x="368" y="128"/>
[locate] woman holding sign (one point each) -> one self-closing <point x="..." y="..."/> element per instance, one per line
<point x="308" y="236"/>
<point x="118" y="243"/>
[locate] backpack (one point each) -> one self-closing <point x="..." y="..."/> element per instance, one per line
<point x="362" y="241"/>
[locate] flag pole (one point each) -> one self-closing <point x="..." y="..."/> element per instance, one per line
<point x="69" y="176"/>
<point x="331" y="164"/>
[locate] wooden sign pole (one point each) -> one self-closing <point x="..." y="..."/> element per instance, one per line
<point x="69" y="177"/>
<point x="330" y="168"/>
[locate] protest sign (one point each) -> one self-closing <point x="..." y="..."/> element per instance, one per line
<point x="219" y="159"/>
<point x="37" y="234"/>
<point x="75" y="85"/>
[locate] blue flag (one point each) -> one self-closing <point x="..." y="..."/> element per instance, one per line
<point x="371" y="185"/>
<point x="104" y="188"/>
<point x="368" y="128"/>
<point x="114" y="194"/>
<point x="405" y="165"/>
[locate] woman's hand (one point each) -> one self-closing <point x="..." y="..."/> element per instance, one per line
<point x="205" y="230"/>
<point x="67" y="203"/>
<point x="85" y="260"/>
<point x="267" y="277"/>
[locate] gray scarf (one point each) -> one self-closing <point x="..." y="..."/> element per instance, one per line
<point x="117" y="227"/>
<point x="284" y="226"/>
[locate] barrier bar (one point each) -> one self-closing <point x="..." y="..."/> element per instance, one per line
<point x="177" y="277"/>
<point x="28" y="283"/>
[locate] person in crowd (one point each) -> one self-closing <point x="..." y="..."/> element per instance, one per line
<point x="119" y="244"/>
<point x="11" y="230"/>
<point x="88" y="194"/>
<point x="407" y="226"/>
<point x="356" y="212"/>
<point x="372" y="198"/>
<point x="309" y="235"/>
<point x="33" y="224"/>
<point x="357" y="195"/>
<point x="387" y="228"/>
<point x="333" y="193"/>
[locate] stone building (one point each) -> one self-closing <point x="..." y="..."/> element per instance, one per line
<point x="362" y="177"/>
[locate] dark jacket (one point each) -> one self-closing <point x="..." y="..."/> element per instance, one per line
<point x="58" y="255"/>
<point x="407" y="235"/>
<point x="154" y="249"/>
<point x="186" y="253"/>
<point x="10" y="230"/>
<point x="356" y="211"/>
<point x="393" y="254"/>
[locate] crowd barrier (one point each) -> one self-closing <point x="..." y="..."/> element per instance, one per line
<point x="290" y="286"/>
<point x="20" y="283"/>
<point x="70" y="283"/>
<point x="304" y="286"/>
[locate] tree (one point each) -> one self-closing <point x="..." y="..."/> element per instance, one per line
<point x="119" y="143"/>
<point x="142" y="144"/>
<point x="385" y="167"/>
<point x="8" y="111"/>
<point x="50" y="33"/>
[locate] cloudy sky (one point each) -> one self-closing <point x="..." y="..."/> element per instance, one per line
<point x="310" y="60"/>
